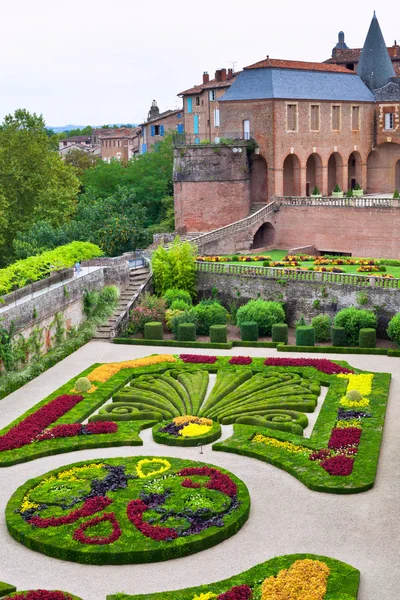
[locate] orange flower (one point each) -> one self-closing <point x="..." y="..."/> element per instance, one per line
<point x="104" y="372"/>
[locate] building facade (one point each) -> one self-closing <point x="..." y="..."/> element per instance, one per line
<point x="120" y="144"/>
<point x="158" y="125"/>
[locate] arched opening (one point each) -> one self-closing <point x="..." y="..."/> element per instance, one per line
<point x="354" y="169"/>
<point x="291" y="176"/>
<point x="313" y="174"/>
<point x="398" y="175"/>
<point x="335" y="172"/>
<point x="264" y="236"/>
<point x="258" y="180"/>
<point x="382" y="169"/>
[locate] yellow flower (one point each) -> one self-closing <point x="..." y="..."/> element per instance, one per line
<point x="207" y="596"/>
<point x="349" y="423"/>
<point x="104" y="372"/>
<point x="305" y="580"/>
<point x="363" y="403"/>
<point x="165" y="466"/>
<point x="90" y="391"/>
<point x="268" y="441"/>
<point x="190" y="419"/>
<point x="362" y="383"/>
<point x="193" y="430"/>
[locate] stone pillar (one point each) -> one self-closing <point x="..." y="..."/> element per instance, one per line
<point x="324" y="177"/>
<point x="303" y="181"/>
<point x="345" y="178"/>
<point x="275" y="182"/>
<point x="364" y="175"/>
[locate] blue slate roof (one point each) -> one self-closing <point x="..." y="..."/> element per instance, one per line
<point x="375" y="67"/>
<point x="295" y="84"/>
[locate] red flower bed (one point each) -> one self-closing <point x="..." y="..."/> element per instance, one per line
<point x="338" y="465"/>
<point x="198" y="358"/>
<point x="239" y="592"/>
<point x="80" y="535"/>
<point x="90" y="507"/>
<point x="27" y="430"/>
<point x="42" y="595"/>
<point x="218" y="481"/>
<point x="342" y="438"/>
<point x="69" y="430"/>
<point x="322" y="364"/>
<point x="188" y="483"/>
<point x="240" y="360"/>
<point x="135" y="511"/>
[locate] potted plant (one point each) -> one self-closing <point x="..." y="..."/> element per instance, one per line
<point x="337" y="192"/>
<point x="358" y="191"/>
<point x="396" y="194"/>
<point x="349" y="193"/>
<point x="316" y="193"/>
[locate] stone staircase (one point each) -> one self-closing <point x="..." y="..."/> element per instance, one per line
<point x="137" y="278"/>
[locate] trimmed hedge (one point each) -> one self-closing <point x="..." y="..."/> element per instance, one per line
<point x="264" y="313"/>
<point x="367" y="338"/>
<point x="249" y="331"/>
<point x="187" y="332"/>
<point x="186" y="442"/>
<point x="305" y="336"/>
<point x="353" y="319"/>
<point x="175" y="343"/>
<point x="18" y="594"/>
<point x="153" y="330"/>
<point x="339" y="350"/>
<point x="218" y="334"/>
<point x="6" y="588"/>
<point x="280" y="332"/>
<point x="338" y="336"/>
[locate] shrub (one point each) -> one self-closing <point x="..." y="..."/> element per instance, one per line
<point x="367" y="338"/>
<point x="179" y="305"/>
<point x="338" y="336"/>
<point x="316" y="191"/>
<point x="264" y="313"/>
<point x="169" y="317"/>
<point x="174" y="294"/>
<point x="390" y="262"/>
<point x="322" y="326"/>
<point x="354" y="319"/>
<point x="305" y="336"/>
<point x="357" y="187"/>
<point x="349" y="193"/>
<point x="249" y="331"/>
<point x="153" y="330"/>
<point x="280" y="332"/>
<point x="266" y="263"/>
<point x="382" y="268"/>
<point x="209" y="313"/>
<point x="150" y="308"/>
<point x="82" y="385"/>
<point x="175" y="267"/>
<point x="301" y="322"/>
<point x="187" y="316"/>
<point x="337" y="188"/>
<point x="396" y="194"/>
<point x="354" y="396"/>
<point x="235" y="258"/>
<point x="218" y="334"/>
<point x="187" y="332"/>
<point x="393" y="329"/>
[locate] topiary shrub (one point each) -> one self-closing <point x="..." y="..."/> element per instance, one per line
<point x="82" y="385"/>
<point x="382" y="268"/>
<point x="180" y="305"/>
<point x="396" y="194"/>
<point x="390" y="262"/>
<point x="249" y="331"/>
<point x="322" y="325"/>
<point x="266" y="263"/>
<point x="235" y="258"/>
<point x="316" y="191"/>
<point x="305" y="336"/>
<point x="174" y="294"/>
<point x="280" y="332"/>
<point x="393" y="329"/>
<point x="187" y="332"/>
<point x="264" y="313"/>
<point x="354" y="396"/>
<point x="367" y="338"/>
<point x="353" y="319"/>
<point x="337" y="188"/>
<point x="338" y="336"/>
<point x="209" y="313"/>
<point x="153" y="331"/>
<point x="187" y="316"/>
<point x="218" y="334"/>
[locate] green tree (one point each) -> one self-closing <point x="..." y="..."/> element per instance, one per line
<point x="34" y="182"/>
<point x="175" y="267"/>
<point x="81" y="161"/>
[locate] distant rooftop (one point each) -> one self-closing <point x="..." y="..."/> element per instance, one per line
<point x="277" y="63"/>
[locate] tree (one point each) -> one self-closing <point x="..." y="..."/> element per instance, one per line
<point x="175" y="267"/>
<point x="34" y="182"/>
<point x="81" y="161"/>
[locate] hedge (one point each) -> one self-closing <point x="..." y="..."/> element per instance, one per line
<point x="249" y="331"/>
<point x="339" y="350"/>
<point x="6" y="588"/>
<point x="305" y="336"/>
<point x="187" y="332"/>
<point x="218" y="334"/>
<point x="338" y="336"/>
<point x="280" y="332"/>
<point x="153" y="330"/>
<point x="173" y="343"/>
<point x="367" y="338"/>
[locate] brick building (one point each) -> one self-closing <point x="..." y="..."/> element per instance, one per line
<point x="121" y="144"/>
<point x="315" y="125"/>
<point x="157" y="125"/>
<point x="78" y="142"/>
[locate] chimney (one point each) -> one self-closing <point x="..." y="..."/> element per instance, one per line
<point x="230" y="73"/>
<point x="206" y="77"/>
<point x="223" y="74"/>
<point x="218" y="75"/>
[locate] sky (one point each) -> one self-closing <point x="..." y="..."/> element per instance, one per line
<point x="96" y="62"/>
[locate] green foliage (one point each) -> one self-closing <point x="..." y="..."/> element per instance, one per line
<point x="150" y="309"/>
<point x="175" y="268"/>
<point x="209" y="313"/>
<point x="382" y="268"/>
<point x="301" y="322"/>
<point x="187" y="316"/>
<point x="316" y="304"/>
<point x="81" y="161"/>
<point x="180" y="305"/>
<point x="354" y="395"/>
<point x="249" y="331"/>
<point x="83" y="385"/>
<point x="354" y="319"/>
<point x="396" y="194"/>
<point x="338" y="336"/>
<point x="280" y="332"/>
<point x="390" y="262"/>
<point x="6" y="588"/>
<point x="349" y="193"/>
<point x="316" y="191"/>
<point x="90" y="299"/>
<point x="322" y="326"/>
<point x="58" y="324"/>
<point x="362" y="298"/>
<point x="218" y="334"/>
<point x="169" y="317"/>
<point x="6" y="350"/>
<point x="153" y="330"/>
<point x="337" y="188"/>
<point x="305" y="336"/>
<point x="186" y="332"/>
<point x="357" y="187"/>
<point x="34" y="268"/>
<point x="235" y="258"/>
<point x="266" y="263"/>
<point x="367" y="338"/>
<point x="393" y="329"/>
<point x="174" y="294"/>
<point x="264" y="313"/>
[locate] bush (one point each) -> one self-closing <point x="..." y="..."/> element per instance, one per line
<point x="180" y="305"/>
<point x="390" y="262"/>
<point x="187" y="332"/>
<point x="249" y="331"/>
<point x="301" y="322"/>
<point x="280" y="332"/>
<point x="209" y="313"/>
<point x="396" y="194"/>
<point x="322" y="326"/>
<point x="354" y="396"/>
<point x="353" y="319"/>
<point x="265" y="314"/>
<point x="316" y="191"/>
<point x="337" y="188"/>
<point x="153" y="330"/>
<point x="82" y="385"/>
<point x="305" y="336"/>
<point x="382" y="268"/>
<point x="218" y="334"/>
<point x="175" y="267"/>
<point x="150" y="308"/>
<point x="174" y="294"/>
<point x="187" y="316"/>
<point x="235" y="258"/>
<point x="393" y="329"/>
<point x="169" y="317"/>
<point x="338" y="336"/>
<point x="266" y="263"/>
<point x="367" y="338"/>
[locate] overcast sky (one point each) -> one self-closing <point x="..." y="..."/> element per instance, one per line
<point x="97" y="61"/>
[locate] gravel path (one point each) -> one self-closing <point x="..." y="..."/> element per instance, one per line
<point x="286" y="517"/>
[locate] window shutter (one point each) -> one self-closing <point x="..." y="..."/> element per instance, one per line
<point x="196" y="124"/>
<point x="152" y="131"/>
<point x="180" y="128"/>
<point x="216" y="117"/>
<point x="189" y="105"/>
<point x="161" y="129"/>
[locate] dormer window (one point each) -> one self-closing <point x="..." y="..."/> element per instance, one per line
<point x="389" y="121"/>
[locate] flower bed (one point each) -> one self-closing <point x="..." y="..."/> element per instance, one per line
<point x="42" y="595"/>
<point x="128" y="510"/>
<point x="291" y="577"/>
<point x="322" y="364"/>
<point x="187" y="431"/>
